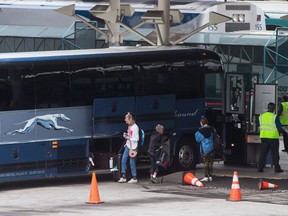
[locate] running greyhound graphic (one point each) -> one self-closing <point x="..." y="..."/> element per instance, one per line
<point x="48" y="121"/>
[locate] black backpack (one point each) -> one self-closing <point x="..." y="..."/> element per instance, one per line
<point x="218" y="144"/>
<point x="163" y="160"/>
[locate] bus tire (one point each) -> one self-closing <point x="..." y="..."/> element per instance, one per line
<point x="185" y="157"/>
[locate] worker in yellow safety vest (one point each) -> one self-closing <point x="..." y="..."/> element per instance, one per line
<point x="283" y="115"/>
<point x="269" y="134"/>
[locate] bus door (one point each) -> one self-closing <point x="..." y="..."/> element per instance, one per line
<point x="234" y="127"/>
<point x="108" y="115"/>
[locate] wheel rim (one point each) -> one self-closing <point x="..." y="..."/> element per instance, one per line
<point x="185" y="156"/>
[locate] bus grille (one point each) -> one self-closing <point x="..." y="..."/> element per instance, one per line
<point x="72" y="159"/>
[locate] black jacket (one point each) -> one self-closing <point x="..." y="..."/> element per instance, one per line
<point x="155" y="141"/>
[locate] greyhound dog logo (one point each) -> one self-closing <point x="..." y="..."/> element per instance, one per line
<point x="48" y="121"/>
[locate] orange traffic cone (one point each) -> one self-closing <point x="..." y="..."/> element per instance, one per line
<point x="265" y="185"/>
<point x="235" y="194"/>
<point x="94" y="194"/>
<point x="189" y="178"/>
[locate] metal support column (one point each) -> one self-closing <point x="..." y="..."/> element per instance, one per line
<point x="164" y="28"/>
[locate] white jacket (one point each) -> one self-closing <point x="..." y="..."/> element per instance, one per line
<point x="133" y="132"/>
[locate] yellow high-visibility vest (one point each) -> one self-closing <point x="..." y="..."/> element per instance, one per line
<point x="268" y="127"/>
<point x="284" y="116"/>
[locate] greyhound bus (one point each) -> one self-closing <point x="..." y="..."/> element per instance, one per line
<point x="58" y="108"/>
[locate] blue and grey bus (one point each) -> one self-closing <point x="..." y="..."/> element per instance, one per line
<point x="57" y="108"/>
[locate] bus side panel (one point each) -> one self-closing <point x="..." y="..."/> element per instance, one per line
<point x="109" y="113"/>
<point x="45" y="124"/>
<point x="21" y="162"/>
<point x="188" y="113"/>
<point x="39" y="160"/>
<point x="155" y="109"/>
<point x="34" y="147"/>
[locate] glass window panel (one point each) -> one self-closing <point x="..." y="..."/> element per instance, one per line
<point x="52" y="84"/>
<point x="17" y="86"/>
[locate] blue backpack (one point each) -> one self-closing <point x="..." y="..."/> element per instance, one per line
<point x="141" y="137"/>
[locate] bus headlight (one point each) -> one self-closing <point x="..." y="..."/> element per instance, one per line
<point x="241" y="18"/>
<point x="235" y="17"/>
<point x="238" y="17"/>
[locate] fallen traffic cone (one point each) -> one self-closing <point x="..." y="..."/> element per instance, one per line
<point x="189" y="178"/>
<point x="94" y="194"/>
<point x="265" y="185"/>
<point x="235" y="194"/>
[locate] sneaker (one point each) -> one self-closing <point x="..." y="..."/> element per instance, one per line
<point x="278" y="171"/>
<point x="122" y="180"/>
<point x="133" y="181"/>
<point x="154" y="180"/>
<point x="210" y="178"/>
<point x="205" y="179"/>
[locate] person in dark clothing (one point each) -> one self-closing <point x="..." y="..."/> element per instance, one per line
<point x="205" y="136"/>
<point x="154" y="145"/>
<point x="269" y="135"/>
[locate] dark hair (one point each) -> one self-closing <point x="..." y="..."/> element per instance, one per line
<point x="203" y="120"/>
<point x="129" y="115"/>
<point x="285" y="98"/>
<point x="271" y="107"/>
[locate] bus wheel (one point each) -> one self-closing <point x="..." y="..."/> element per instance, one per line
<point x="185" y="157"/>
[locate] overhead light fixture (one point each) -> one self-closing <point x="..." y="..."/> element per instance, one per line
<point x="175" y="16"/>
<point x="126" y="10"/>
<point x="99" y="9"/>
<point x="153" y="17"/>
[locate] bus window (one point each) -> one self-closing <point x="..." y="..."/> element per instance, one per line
<point x="119" y="80"/>
<point x="188" y="81"/>
<point x="184" y="80"/>
<point x="16" y="86"/>
<point x="52" y="84"/>
<point x="213" y="89"/>
<point x="156" y="79"/>
<point x="86" y="84"/>
<point x="5" y="89"/>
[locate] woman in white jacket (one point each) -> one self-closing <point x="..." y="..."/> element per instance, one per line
<point x="132" y="138"/>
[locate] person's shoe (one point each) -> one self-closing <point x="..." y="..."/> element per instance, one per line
<point x="279" y="171"/>
<point x="205" y="179"/>
<point x="154" y="180"/>
<point x="210" y="178"/>
<point x="133" y="181"/>
<point x="260" y="170"/>
<point x="122" y="180"/>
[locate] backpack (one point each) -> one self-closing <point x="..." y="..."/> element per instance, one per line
<point x="163" y="160"/>
<point x="141" y="137"/>
<point x="218" y="144"/>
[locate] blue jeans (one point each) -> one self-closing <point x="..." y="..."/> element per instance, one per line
<point x="124" y="162"/>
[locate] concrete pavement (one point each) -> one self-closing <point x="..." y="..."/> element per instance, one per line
<point x="248" y="172"/>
